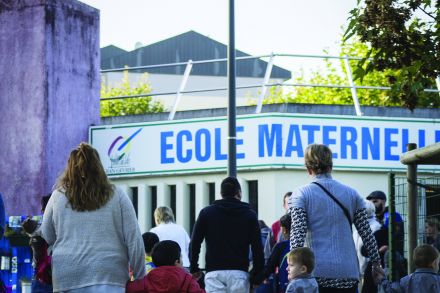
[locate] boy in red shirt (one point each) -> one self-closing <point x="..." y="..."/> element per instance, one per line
<point x="169" y="275"/>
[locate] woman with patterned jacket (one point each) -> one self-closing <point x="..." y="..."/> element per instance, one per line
<point x="322" y="216"/>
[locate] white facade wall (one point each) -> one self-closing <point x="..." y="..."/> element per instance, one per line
<point x="272" y="185"/>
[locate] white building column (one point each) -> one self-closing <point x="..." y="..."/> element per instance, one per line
<point x="163" y="195"/>
<point x="244" y="190"/>
<point x="202" y="196"/>
<point x="218" y="184"/>
<point x="144" y="207"/>
<point x="202" y="200"/>
<point x="182" y="204"/>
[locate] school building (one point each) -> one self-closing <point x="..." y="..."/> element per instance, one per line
<point x="181" y="163"/>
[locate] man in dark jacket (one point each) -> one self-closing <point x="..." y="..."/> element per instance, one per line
<point x="228" y="226"/>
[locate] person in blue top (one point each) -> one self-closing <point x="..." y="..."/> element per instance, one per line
<point x="379" y="199"/>
<point x="425" y="279"/>
<point x="324" y="211"/>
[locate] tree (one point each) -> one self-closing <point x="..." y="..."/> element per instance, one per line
<point x="403" y="36"/>
<point x="128" y="106"/>
<point x="335" y="74"/>
<point x="332" y="75"/>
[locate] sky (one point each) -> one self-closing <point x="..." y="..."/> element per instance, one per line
<point x="262" y="26"/>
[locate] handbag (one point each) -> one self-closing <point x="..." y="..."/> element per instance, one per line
<point x="344" y="209"/>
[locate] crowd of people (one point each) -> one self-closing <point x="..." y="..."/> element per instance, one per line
<point x="329" y="240"/>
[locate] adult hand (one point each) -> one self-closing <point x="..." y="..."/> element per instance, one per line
<point x="378" y="273"/>
<point x="29" y="225"/>
<point x="383" y="249"/>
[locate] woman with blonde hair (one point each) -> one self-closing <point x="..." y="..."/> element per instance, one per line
<point x="167" y="229"/>
<point x="325" y="211"/>
<point x="92" y="228"/>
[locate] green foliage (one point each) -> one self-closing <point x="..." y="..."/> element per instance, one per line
<point x="128" y="106"/>
<point x="404" y="36"/>
<point x="335" y="74"/>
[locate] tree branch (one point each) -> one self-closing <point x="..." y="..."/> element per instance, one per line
<point x="426" y="12"/>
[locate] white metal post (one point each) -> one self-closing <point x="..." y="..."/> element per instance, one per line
<point x="265" y="82"/>
<point x="181" y="89"/>
<point x="437" y="80"/>
<point x="357" y="106"/>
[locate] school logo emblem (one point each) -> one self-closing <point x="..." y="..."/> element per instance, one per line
<point x="119" y="153"/>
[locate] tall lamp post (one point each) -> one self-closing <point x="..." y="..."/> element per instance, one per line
<point x="232" y="145"/>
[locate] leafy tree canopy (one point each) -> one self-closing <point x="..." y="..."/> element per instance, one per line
<point x="128" y="106"/>
<point x="334" y="73"/>
<point x="403" y="36"/>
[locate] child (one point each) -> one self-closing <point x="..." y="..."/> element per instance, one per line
<point x="277" y="261"/>
<point x="150" y="239"/>
<point x="41" y="260"/>
<point x="169" y="275"/>
<point x="425" y="279"/>
<point x="301" y="263"/>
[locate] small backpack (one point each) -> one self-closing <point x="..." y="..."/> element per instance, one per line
<point x="282" y="280"/>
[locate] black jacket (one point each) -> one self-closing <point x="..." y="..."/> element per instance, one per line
<point x="228" y="226"/>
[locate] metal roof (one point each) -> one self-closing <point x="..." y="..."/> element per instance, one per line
<point x="181" y="48"/>
<point x="111" y="51"/>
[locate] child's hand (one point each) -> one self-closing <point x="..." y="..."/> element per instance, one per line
<point x="197" y="275"/>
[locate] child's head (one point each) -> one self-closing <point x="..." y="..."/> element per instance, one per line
<point x="150" y="239"/>
<point x="300" y="261"/>
<point x="426" y="256"/>
<point x="432" y="227"/>
<point x="285" y="223"/>
<point x="167" y="253"/>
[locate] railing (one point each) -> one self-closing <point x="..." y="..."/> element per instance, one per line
<point x="264" y="86"/>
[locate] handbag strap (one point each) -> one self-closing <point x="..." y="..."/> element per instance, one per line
<point x="344" y="209"/>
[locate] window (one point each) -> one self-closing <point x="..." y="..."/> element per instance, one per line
<point x="134" y="199"/>
<point x="173" y="199"/>
<point x="153" y="192"/>
<point x="192" y="206"/>
<point x="211" y="192"/>
<point x="253" y="194"/>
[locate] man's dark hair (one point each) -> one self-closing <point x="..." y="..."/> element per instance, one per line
<point x="286" y="221"/>
<point x="287" y="195"/>
<point x="150" y="239"/>
<point x="165" y="253"/>
<point x="230" y="187"/>
<point x="424" y="256"/>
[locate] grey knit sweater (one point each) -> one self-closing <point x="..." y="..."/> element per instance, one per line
<point x="91" y="248"/>
<point x="328" y="231"/>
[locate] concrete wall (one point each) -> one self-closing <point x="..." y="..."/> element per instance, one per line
<point x="49" y="93"/>
<point x="281" y="108"/>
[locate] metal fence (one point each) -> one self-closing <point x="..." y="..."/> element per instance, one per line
<point x="264" y="86"/>
<point x="428" y="205"/>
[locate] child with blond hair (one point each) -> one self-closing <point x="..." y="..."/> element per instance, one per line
<point x="301" y="262"/>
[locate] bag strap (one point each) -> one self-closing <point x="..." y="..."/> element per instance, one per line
<point x="344" y="209"/>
